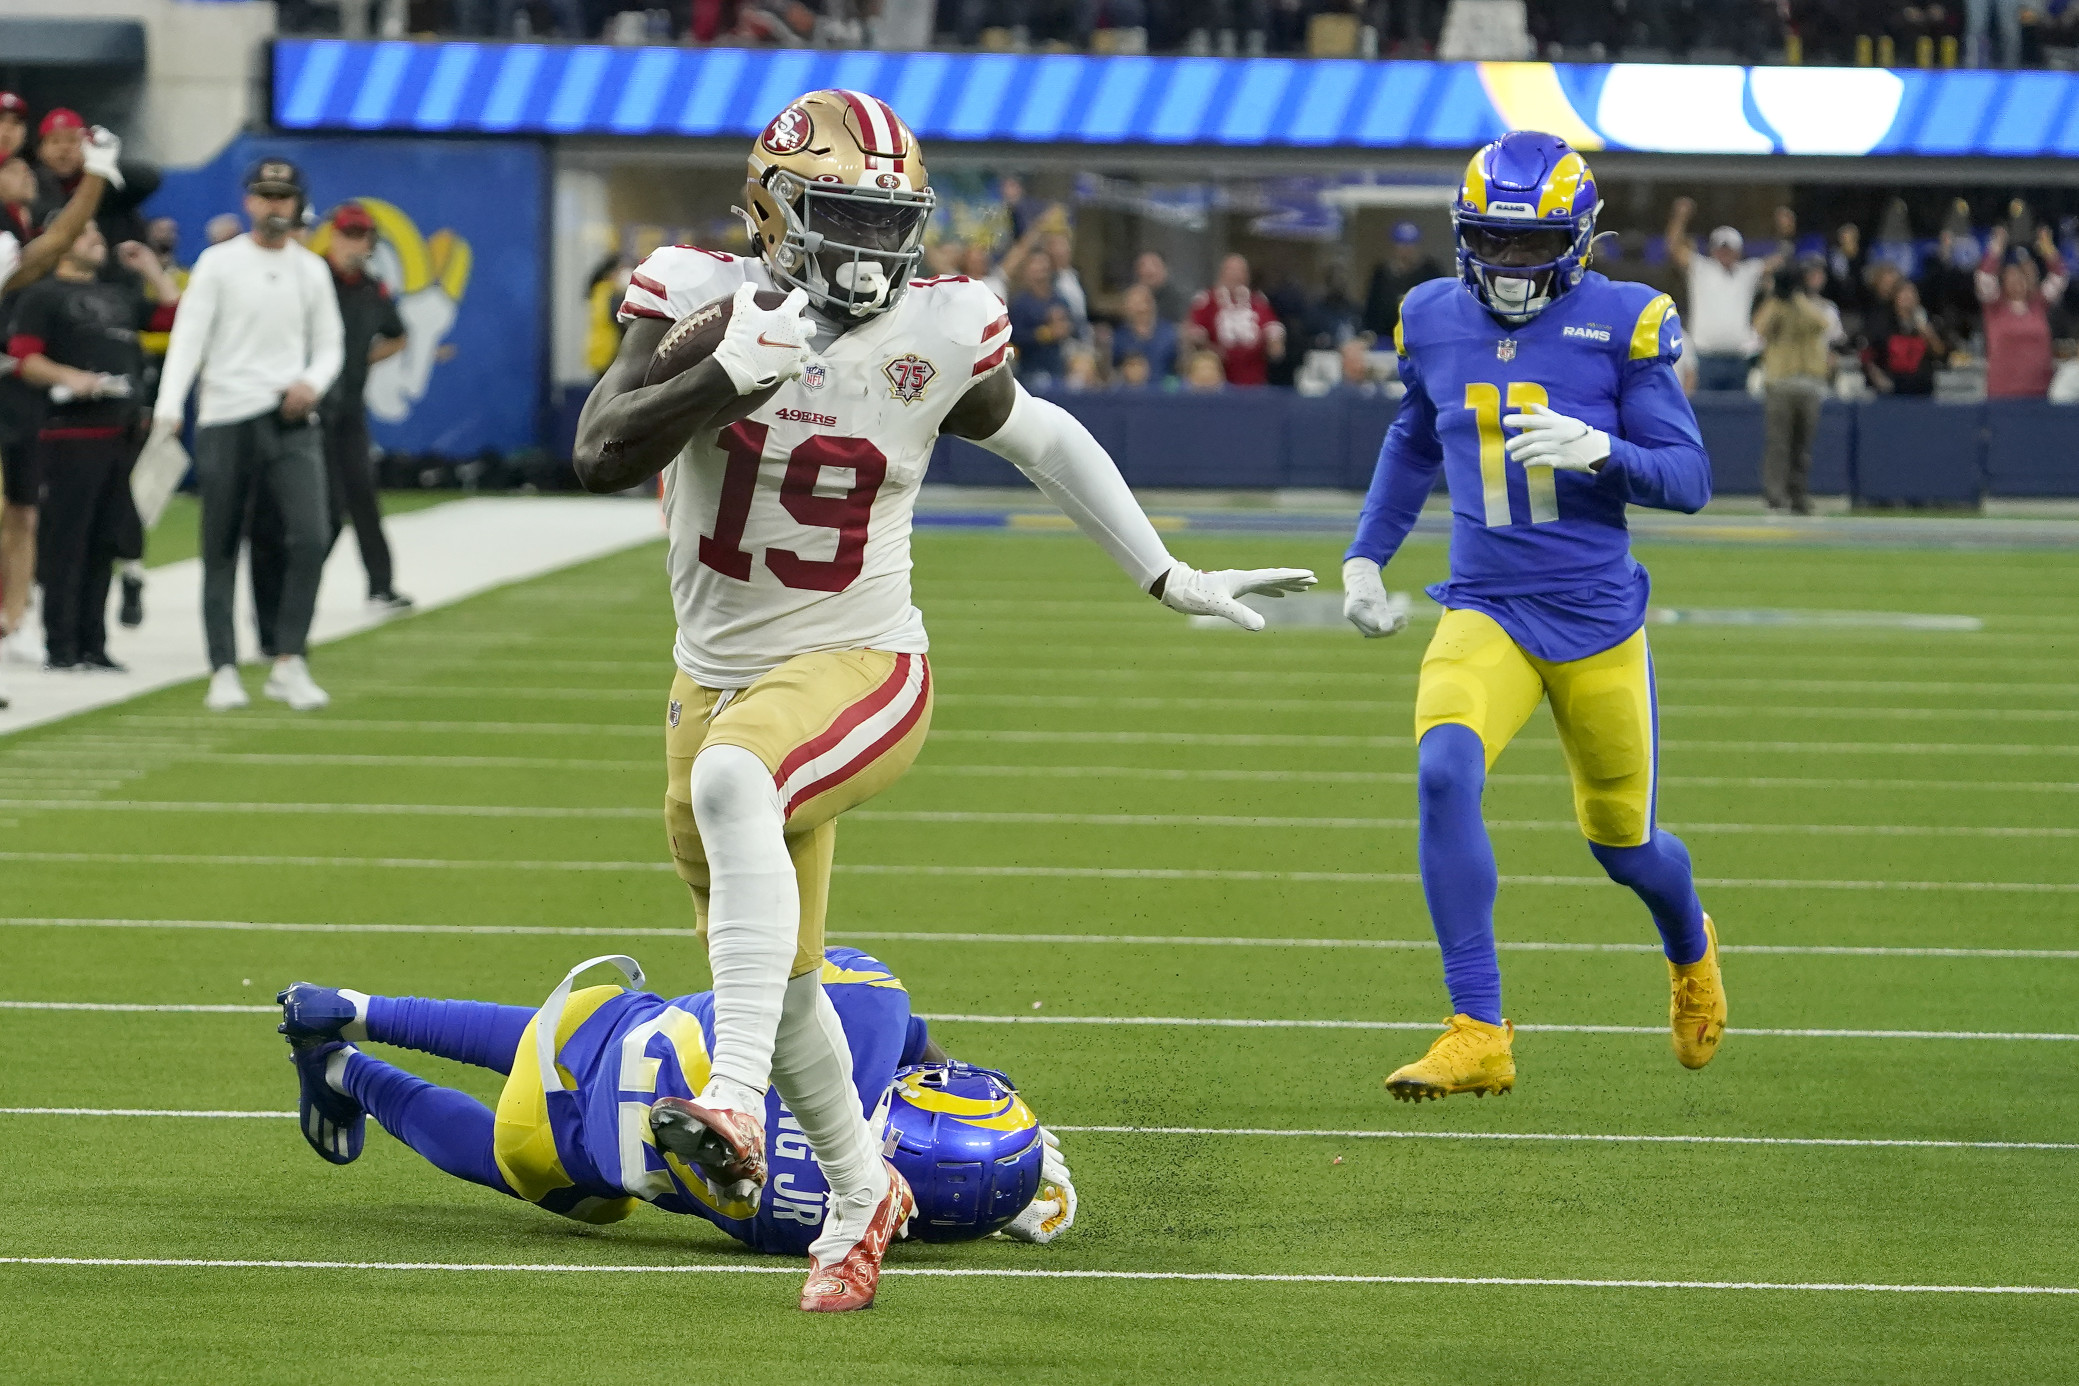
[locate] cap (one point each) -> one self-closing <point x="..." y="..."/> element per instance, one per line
<point x="1406" y="232"/>
<point x="1727" y="236"/>
<point x="62" y="118"/>
<point x="352" y="216"/>
<point x="274" y="177"/>
<point x="11" y="104"/>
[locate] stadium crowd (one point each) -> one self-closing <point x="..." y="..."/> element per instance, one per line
<point x="1975" y="33"/>
<point x="105" y="330"/>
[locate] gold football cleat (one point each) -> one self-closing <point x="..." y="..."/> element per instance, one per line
<point x="1470" y="1056"/>
<point x="1696" y="1004"/>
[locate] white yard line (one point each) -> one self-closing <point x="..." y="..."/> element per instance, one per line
<point x="1561" y="1137"/>
<point x="1199" y="1022"/>
<point x="445" y="553"/>
<point x="1050" y="940"/>
<point x="1107" y="873"/>
<point x="1105" y="820"/>
<point x="1164" y="773"/>
<point x="1005" y="1273"/>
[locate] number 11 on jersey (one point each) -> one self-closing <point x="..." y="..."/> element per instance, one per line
<point x="1485" y="401"/>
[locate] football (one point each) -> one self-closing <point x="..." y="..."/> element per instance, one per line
<point x="693" y="338"/>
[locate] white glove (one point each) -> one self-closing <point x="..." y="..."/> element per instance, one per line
<point x="761" y="347"/>
<point x="104" y="387"/>
<point x="1367" y="604"/>
<point x="1053" y="1209"/>
<point x="1213" y="594"/>
<point x="1555" y="441"/>
<point x="102" y="149"/>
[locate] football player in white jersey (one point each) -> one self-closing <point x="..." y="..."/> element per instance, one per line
<point x="802" y="686"/>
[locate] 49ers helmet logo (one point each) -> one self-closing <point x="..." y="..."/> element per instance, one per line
<point x="909" y="376"/>
<point x="788" y="133"/>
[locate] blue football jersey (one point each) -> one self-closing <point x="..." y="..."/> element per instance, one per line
<point x="639" y="1047"/>
<point x="1545" y="553"/>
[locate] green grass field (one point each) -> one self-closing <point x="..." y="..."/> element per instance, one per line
<point x="1220" y="825"/>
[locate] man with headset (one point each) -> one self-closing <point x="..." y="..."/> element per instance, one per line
<point x="260" y="324"/>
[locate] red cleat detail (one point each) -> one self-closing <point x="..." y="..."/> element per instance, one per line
<point x="726" y="1145"/>
<point x="850" y="1283"/>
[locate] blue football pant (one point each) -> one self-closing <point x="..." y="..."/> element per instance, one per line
<point x="451" y="1129"/>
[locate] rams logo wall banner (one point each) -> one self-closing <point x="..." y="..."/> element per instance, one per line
<point x="788" y="133"/>
<point x="1505" y="349"/>
<point x="909" y="376"/>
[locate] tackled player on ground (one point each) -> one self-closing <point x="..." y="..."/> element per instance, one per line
<point x="792" y="457"/>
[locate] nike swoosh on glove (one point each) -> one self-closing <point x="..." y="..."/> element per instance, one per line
<point x="1184" y="588"/>
<point x="1556" y="441"/>
<point x="1367" y="604"/>
<point x="763" y="347"/>
<point x="102" y="150"/>
<point x="1053" y="1209"/>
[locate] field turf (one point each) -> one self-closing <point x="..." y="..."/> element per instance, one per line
<point x="1118" y="817"/>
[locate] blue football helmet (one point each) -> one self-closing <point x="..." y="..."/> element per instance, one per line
<point x="1525" y="222"/>
<point x="969" y="1146"/>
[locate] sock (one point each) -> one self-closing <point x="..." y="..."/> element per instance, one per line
<point x="335" y="1069"/>
<point x="483" y="1033"/>
<point x="812" y="1068"/>
<point x="753" y="918"/>
<point x="1659" y="872"/>
<point x="451" y="1129"/>
<point x="1458" y="871"/>
<point x="132" y="568"/>
<point x="357" y="1028"/>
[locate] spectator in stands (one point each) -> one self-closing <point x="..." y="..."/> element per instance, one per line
<point x="1238" y="323"/>
<point x="1132" y="373"/>
<point x="1358" y="377"/>
<point x="1068" y="285"/>
<point x="1813" y="268"/>
<point x="1978" y="21"/>
<point x="1144" y="334"/>
<point x="1202" y="371"/>
<point x="1720" y="312"/>
<point x="1405" y="266"/>
<point x="1332" y="319"/>
<point x="495" y="18"/>
<point x="1905" y="346"/>
<point x="1040" y="321"/>
<point x="260" y="325"/>
<point x="1795" y="365"/>
<point x="1151" y="272"/>
<point x="1845" y="264"/>
<point x="1079" y="367"/>
<point x="61" y="154"/>
<point x="979" y="265"/>
<point x="14" y="124"/>
<point x="1212" y="26"/>
<point x="1949" y="284"/>
<point x="76" y="336"/>
<point x="2019" y="357"/>
<point x="222" y="227"/>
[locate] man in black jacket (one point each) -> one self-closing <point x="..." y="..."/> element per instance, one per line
<point x="61" y="160"/>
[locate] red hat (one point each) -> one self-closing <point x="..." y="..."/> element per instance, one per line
<point x="352" y="216"/>
<point x="13" y="105"/>
<point x="62" y="118"/>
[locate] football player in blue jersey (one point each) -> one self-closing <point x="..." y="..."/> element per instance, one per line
<point x="1547" y="395"/>
<point x="593" y="1118"/>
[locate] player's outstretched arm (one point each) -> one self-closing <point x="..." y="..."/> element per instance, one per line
<point x="1058" y="455"/>
<point x="629" y="431"/>
<point x="42" y="254"/>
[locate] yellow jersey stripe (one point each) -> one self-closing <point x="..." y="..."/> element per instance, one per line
<point x="1645" y="337"/>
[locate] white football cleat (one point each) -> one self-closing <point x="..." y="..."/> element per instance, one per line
<point x="290" y="682"/>
<point x="226" y="693"/>
<point x="23" y="647"/>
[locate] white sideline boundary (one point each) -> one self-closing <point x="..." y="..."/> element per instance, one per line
<point x="947" y="936"/>
<point x="1008" y="1273"/>
<point x="1104" y="873"/>
<point x="1166" y="1021"/>
<point x="444" y="554"/>
<point x="1561" y="1137"/>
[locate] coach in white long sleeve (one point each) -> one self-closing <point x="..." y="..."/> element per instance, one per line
<point x="260" y="324"/>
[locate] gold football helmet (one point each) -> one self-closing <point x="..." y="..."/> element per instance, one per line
<point x="839" y="201"/>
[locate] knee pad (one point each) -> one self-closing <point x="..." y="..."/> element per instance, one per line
<point x="729" y="784"/>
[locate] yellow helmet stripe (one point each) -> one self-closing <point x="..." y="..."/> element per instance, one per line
<point x="1474" y="189"/>
<point x="1563" y="183"/>
<point x="1645" y="337"/>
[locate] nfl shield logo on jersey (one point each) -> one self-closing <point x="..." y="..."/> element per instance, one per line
<point x="814" y="376"/>
<point x="671" y="715"/>
<point x="1505" y="349"/>
<point x="908" y="376"/>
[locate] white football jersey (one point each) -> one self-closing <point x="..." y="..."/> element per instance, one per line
<point x="790" y="531"/>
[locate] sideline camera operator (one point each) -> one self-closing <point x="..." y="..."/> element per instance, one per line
<point x="76" y="337"/>
<point x="1794" y="326"/>
<point x="260" y="323"/>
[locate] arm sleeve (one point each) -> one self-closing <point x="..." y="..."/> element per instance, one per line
<point x="192" y="321"/>
<point x="327" y="332"/>
<point x="913" y="1041"/>
<point x="1659" y="459"/>
<point x="1405" y="474"/>
<point x="392" y="325"/>
<point x="1058" y="455"/>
